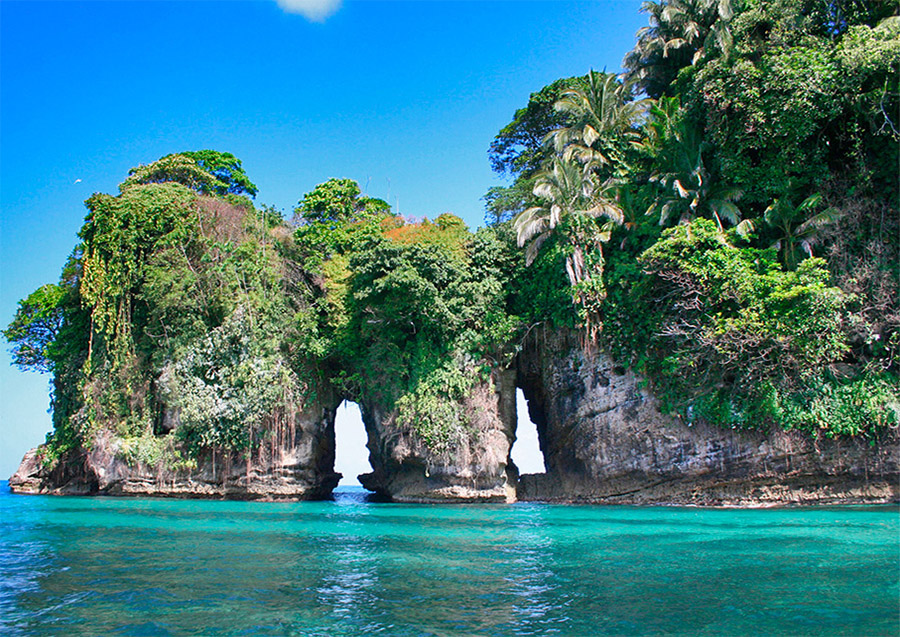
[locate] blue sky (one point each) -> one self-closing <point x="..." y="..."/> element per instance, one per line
<point x="404" y="97"/>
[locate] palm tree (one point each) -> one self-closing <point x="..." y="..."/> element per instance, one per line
<point x="603" y="121"/>
<point x="687" y="189"/>
<point x="680" y="33"/>
<point x="690" y="192"/>
<point x="662" y="124"/>
<point x="797" y="231"/>
<point x="574" y="206"/>
<point x="634" y="200"/>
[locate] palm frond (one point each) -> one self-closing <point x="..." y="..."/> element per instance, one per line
<point x="608" y="209"/>
<point x="529" y="223"/>
<point x="668" y="211"/>
<point x="729" y="193"/>
<point x="810" y="203"/>
<point x="726" y="11"/>
<point x="824" y="218"/>
<point x="555" y="215"/>
<point x="745" y="228"/>
<point x="534" y="248"/>
<point x="774" y="212"/>
<point x="543" y="189"/>
<point x="727" y="211"/>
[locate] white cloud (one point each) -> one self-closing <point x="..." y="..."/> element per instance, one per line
<point x="313" y="10"/>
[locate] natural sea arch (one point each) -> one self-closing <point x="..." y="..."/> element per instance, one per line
<point x="351" y="456"/>
<point x="526" y="452"/>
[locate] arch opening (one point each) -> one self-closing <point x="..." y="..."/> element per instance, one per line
<point x="526" y="451"/>
<point x="351" y="456"/>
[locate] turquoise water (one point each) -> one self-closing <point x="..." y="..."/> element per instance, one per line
<point x="100" y="566"/>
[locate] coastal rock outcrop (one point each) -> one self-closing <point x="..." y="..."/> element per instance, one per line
<point x="474" y="467"/>
<point x="294" y="462"/>
<point x="605" y="439"/>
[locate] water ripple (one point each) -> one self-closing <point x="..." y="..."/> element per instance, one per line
<point x="82" y="566"/>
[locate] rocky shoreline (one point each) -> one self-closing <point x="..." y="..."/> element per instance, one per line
<point x="604" y="438"/>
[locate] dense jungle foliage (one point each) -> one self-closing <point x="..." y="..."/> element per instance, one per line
<point x="723" y="216"/>
<point x="726" y="211"/>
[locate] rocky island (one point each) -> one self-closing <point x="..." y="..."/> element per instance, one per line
<point x="691" y="275"/>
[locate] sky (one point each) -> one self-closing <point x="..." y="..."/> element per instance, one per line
<point x="403" y="97"/>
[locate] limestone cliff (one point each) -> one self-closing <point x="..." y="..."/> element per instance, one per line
<point x="602" y="433"/>
<point x="293" y="462"/>
<point x="605" y="439"/>
<point x="475" y="467"/>
<point x="298" y="462"/>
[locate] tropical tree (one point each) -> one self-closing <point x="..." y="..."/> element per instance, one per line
<point x="35" y="328"/>
<point x="603" y="118"/>
<point x="208" y="172"/>
<point x="798" y="229"/>
<point x="337" y="201"/>
<point x="519" y="151"/>
<point x="661" y="125"/>
<point x="687" y="188"/>
<point x="690" y="191"/>
<point x="634" y="200"/>
<point x="795" y="98"/>
<point x="227" y="169"/>
<point x="503" y="203"/>
<point x="680" y="33"/>
<point x="583" y="211"/>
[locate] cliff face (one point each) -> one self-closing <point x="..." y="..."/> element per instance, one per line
<point x="298" y="462"/>
<point x="294" y="462"/>
<point x="605" y="439"/>
<point x="603" y="436"/>
<point x="475" y="467"/>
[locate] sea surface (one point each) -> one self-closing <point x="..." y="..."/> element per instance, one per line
<point x="105" y="566"/>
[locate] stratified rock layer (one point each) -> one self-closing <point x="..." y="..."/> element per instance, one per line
<point x="296" y="462"/>
<point x="475" y="468"/>
<point x="605" y="439"/>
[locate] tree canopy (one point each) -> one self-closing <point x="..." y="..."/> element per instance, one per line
<point x="776" y="123"/>
<point x="723" y="217"/>
<point x="206" y="171"/>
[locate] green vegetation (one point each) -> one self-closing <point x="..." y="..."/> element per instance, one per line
<point x="188" y="322"/>
<point x="723" y="217"/>
<point x="686" y="199"/>
<point x="412" y="312"/>
<point x="173" y="309"/>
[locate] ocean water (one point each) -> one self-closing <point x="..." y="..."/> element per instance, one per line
<point x="104" y="566"/>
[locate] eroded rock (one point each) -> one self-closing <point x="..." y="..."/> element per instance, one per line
<point x="605" y="439"/>
<point x="602" y="432"/>
<point x="293" y="462"/>
<point x="477" y="468"/>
